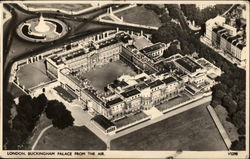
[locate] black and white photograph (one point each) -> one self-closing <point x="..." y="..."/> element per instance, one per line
<point x="124" y="79"/>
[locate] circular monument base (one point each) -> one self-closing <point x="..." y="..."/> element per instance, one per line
<point x="47" y="30"/>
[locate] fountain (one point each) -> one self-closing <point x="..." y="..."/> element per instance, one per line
<point x="42" y="26"/>
<point x="42" y="29"/>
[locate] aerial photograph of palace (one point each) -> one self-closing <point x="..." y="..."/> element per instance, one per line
<point x="134" y="77"/>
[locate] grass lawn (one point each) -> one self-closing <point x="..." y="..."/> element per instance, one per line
<point x="71" y="138"/>
<point x="192" y="130"/>
<point x="107" y="18"/>
<point x="66" y="7"/>
<point x="100" y="77"/>
<point x="42" y="123"/>
<point x="229" y="127"/>
<point x="173" y="102"/>
<point x="33" y="74"/>
<point x="140" y="15"/>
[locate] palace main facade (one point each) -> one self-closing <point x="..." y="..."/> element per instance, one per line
<point x="157" y="80"/>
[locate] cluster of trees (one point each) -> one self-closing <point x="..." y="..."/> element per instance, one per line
<point x="161" y="12"/>
<point x="172" y="10"/>
<point x="60" y="116"/>
<point x="19" y="128"/>
<point x="155" y="8"/>
<point x="169" y="32"/>
<point x="193" y="13"/>
<point x="8" y="105"/>
<point x="230" y="93"/>
<point x="239" y="144"/>
<point x="28" y="112"/>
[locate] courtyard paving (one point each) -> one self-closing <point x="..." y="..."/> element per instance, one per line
<point x="106" y="74"/>
<point x="33" y="74"/>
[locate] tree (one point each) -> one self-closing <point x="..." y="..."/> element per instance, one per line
<point x="219" y="94"/>
<point x="230" y="104"/>
<point x="28" y="112"/>
<point x="51" y="108"/>
<point x="238" y="119"/>
<point x="239" y="144"/>
<point x="165" y="18"/>
<point x="155" y="8"/>
<point x="242" y="130"/>
<point x="61" y="117"/>
<point x="190" y="11"/>
<point x="171" y="51"/>
<point x="173" y="10"/>
<point x="7" y="105"/>
<point x="63" y="120"/>
<point x="166" y="33"/>
<point x="215" y="102"/>
<point x="39" y="105"/>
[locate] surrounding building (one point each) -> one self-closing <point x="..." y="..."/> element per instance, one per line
<point x="228" y="33"/>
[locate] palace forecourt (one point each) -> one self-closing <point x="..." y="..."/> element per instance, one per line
<point x="158" y="86"/>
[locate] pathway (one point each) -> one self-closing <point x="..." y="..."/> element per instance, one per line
<point x="40" y="135"/>
<point x="220" y="127"/>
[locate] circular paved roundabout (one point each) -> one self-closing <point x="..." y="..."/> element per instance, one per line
<point x="42" y="29"/>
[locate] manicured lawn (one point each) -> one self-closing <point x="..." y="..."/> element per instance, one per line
<point x="107" y="18"/>
<point x="66" y="7"/>
<point x="100" y="77"/>
<point x="192" y="130"/>
<point x="140" y="15"/>
<point x="173" y="102"/>
<point x="41" y="124"/>
<point x="33" y="74"/>
<point x="71" y="138"/>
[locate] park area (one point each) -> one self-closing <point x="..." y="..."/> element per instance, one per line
<point x="66" y="7"/>
<point x="42" y="123"/>
<point x="71" y="138"/>
<point x="173" y="102"/>
<point x="106" y="74"/>
<point x="140" y="15"/>
<point x="192" y="130"/>
<point x="33" y="74"/>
